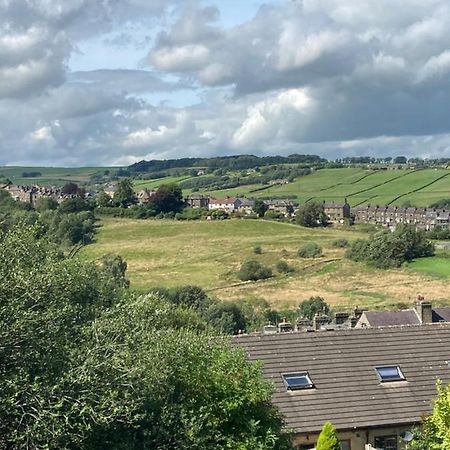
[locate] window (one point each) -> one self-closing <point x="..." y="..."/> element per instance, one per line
<point x="390" y="373"/>
<point x="386" y="442"/>
<point x="345" y="445"/>
<point x="295" y="381"/>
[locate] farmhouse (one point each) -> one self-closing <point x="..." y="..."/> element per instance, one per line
<point x="29" y="194"/>
<point x="372" y="383"/>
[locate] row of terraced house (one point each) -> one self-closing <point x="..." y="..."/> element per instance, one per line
<point x="390" y="216"/>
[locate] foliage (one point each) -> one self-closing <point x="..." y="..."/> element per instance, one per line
<point x="74" y="205"/>
<point x="314" y="305"/>
<point x="192" y="214"/>
<point x="168" y="198"/>
<point x="439" y="233"/>
<point x="340" y="243"/>
<point x="124" y="195"/>
<point x="328" y="439"/>
<point x="115" y="267"/>
<point x="260" y="207"/>
<point x="103" y="199"/>
<point x="311" y="214"/>
<point x="391" y="249"/>
<point x="85" y="365"/>
<point x="310" y="250"/>
<point x="435" y="432"/>
<point x="443" y="203"/>
<point x="283" y="267"/>
<point x="253" y="271"/>
<point x="257" y="250"/>
<point x="46" y="204"/>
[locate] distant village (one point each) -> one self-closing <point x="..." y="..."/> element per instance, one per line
<point x="337" y="213"/>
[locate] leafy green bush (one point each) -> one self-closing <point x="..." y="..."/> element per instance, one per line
<point x="340" y="243"/>
<point x="283" y="267"/>
<point x="310" y="250"/>
<point x="253" y="271"/>
<point x="391" y="249"/>
<point x="257" y="250"/>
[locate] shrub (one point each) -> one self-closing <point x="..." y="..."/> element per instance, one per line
<point x="283" y="267"/>
<point x="257" y="250"/>
<point x="328" y="439"/>
<point x="253" y="271"/>
<point x="310" y="250"/>
<point x="309" y="308"/>
<point x="340" y="243"/>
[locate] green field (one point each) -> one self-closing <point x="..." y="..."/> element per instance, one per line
<point x="359" y="186"/>
<point x="208" y="254"/>
<point x="154" y="184"/>
<point x="438" y="266"/>
<point x="51" y="175"/>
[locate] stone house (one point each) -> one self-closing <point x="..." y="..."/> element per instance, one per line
<point x="284" y="208"/>
<point x="372" y="384"/>
<point x="228" y="204"/>
<point x="144" y="197"/>
<point x="197" y="201"/>
<point x="337" y="213"/>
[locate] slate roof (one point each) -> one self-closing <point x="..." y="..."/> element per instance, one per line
<point x="342" y="364"/>
<point x="441" y="314"/>
<point x="392" y="318"/>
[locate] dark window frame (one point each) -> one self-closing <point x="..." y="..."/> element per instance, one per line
<point x="400" y="377"/>
<point x="301" y="374"/>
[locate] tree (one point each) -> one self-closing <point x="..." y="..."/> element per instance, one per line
<point x="391" y="249"/>
<point x="115" y="268"/>
<point x="125" y="196"/>
<point x="103" y="199"/>
<point x="328" y="439"/>
<point x="253" y="271"/>
<point x="74" y="205"/>
<point x="46" y="204"/>
<point x="168" y="198"/>
<point x="311" y="214"/>
<point x="70" y="189"/>
<point x="260" y="207"/>
<point x="86" y="365"/>
<point x="314" y="305"/>
<point x="435" y="432"/>
<point x="400" y="160"/>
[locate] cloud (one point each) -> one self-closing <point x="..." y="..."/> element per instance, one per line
<point x="327" y="76"/>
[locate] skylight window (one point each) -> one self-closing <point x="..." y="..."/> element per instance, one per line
<point x="390" y="373"/>
<point x="297" y="381"/>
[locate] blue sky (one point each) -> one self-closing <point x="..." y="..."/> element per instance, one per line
<point x="117" y="81"/>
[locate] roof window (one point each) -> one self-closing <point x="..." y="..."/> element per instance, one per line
<point x="297" y="381"/>
<point x="390" y="373"/>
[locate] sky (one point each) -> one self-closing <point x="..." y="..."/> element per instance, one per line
<point x="112" y="82"/>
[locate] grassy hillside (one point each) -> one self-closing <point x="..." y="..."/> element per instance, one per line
<point x="359" y="186"/>
<point x="51" y="175"/>
<point x="208" y="254"/>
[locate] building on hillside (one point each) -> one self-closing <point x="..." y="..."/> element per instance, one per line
<point x="110" y="189"/>
<point x="372" y="384"/>
<point x="144" y="197"/>
<point x="228" y="204"/>
<point x="29" y="194"/>
<point x="279" y="181"/>
<point x="391" y="216"/>
<point x="284" y="208"/>
<point x="423" y="312"/>
<point x="197" y="201"/>
<point x="337" y="213"/>
<point x="245" y="205"/>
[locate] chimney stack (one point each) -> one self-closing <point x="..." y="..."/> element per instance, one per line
<point x="424" y="310"/>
